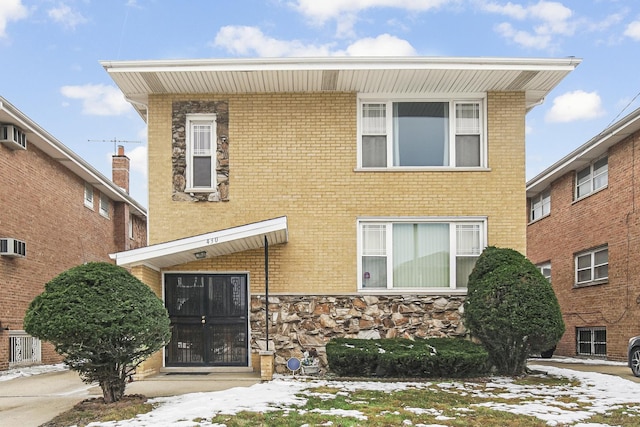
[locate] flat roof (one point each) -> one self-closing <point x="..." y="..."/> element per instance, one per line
<point x="393" y="75"/>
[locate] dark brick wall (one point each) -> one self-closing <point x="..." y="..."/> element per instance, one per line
<point x="42" y="203"/>
<point x="607" y="217"/>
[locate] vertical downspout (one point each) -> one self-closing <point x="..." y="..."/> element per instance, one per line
<point x="266" y="285"/>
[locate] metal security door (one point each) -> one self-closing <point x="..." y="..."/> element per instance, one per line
<point x="209" y="320"/>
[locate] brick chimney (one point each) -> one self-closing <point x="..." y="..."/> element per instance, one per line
<point x="120" y="169"/>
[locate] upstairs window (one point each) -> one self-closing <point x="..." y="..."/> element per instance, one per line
<point x="104" y="206"/>
<point x="540" y="205"/>
<point x="418" y="255"/>
<point x="201" y="150"/>
<point x="592" y="266"/>
<point x="592" y="178"/>
<point x="88" y="195"/>
<point x="421" y="134"/>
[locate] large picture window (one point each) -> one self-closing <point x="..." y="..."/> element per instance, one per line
<point x="395" y="134"/>
<point x="418" y="254"/>
<point x="201" y="151"/>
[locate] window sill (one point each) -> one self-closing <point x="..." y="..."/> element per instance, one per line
<point x="88" y="206"/>
<point x="414" y="291"/>
<point x="104" y="215"/>
<point x="424" y="169"/>
<point x="533" y="221"/>
<point x="586" y="196"/>
<point x="592" y="283"/>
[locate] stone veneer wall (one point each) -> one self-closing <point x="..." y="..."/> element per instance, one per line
<point x="299" y="322"/>
<point x="179" y="147"/>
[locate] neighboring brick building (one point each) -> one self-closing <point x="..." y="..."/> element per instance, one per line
<point x="366" y="236"/>
<point x="57" y="212"/>
<point x="584" y="232"/>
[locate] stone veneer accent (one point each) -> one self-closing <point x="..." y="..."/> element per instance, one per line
<point x="299" y="322"/>
<point x="179" y="149"/>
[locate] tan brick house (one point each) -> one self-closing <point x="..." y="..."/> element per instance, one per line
<point x="57" y="211"/>
<point x="357" y="191"/>
<point x="584" y="232"/>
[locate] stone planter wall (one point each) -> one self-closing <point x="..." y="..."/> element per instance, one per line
<point x="300" y="322"/>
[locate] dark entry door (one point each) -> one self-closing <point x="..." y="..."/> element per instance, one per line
<point x="208" y="319"/>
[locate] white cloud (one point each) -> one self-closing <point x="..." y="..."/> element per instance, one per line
<point x="10" y="10"/>
<point x="64" y="15"/>
<point x="345" y="12"/>
<point x="523" y="38"/>
<point x="633" y="30"/>
<point x="98" y="100"/>
<point x="249" y="41"/>
<point x="574" y="106"/>
<point x="549" y="19"/>
<point x="322" y="11"/>
<point x="138" y="159"/>
<point x="242" y="40"/>
<point x="383" y="45"/>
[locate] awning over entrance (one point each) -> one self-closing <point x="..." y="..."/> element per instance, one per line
<point x="236" y="239"/>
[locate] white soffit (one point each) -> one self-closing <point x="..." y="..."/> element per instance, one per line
<point x="399" y="75"/>
<point x="236" y="239"/>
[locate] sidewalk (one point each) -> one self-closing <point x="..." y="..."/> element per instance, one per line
<point x="619" y="369"/>
<point x="33" y="400"/>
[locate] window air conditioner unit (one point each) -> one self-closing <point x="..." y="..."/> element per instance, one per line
<point x="13" y="137"/>
<point x="13" y="247"/>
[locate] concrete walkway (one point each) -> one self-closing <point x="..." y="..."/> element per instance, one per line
<point x="34" y="400"/>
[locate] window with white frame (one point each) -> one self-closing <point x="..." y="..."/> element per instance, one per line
<point x="540" y="205"/>
<point x="104" y="205"/>
<point x="592" y="266"/>
<point x="545" y="269"/>
<point x="592" y="178"/>
<point x="591" y="341"/>
<point x="201" y="151"/>
<point x="410" y="254"/>
<point x="88" y="195"/>
<point x="131" y="226"/>
<point x="420" y="133"/>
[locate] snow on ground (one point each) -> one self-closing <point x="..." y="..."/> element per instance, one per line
<point x="28" y="371"/>
<point x="597" y="393"/>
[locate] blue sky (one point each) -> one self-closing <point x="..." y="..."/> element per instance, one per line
<point x="51" y="51"/>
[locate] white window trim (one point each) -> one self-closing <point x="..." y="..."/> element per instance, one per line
<point x="88" y="201"/>
<point x="130" y="226"/>
<point x="542" y="266"/>
<point x="104" y="212"/>
<point x="452" y="99"/>
<point x="189" y="152"/>
<point x="539" y="199"/>
<point x="593" y="280"/>
<point x="389" y="221"/>
<point x="592" y="178"/>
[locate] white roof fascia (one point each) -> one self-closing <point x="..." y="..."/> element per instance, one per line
<point x="585" y="153"/>
<point x="343" y="63"/>
<point x="146" y="255"/>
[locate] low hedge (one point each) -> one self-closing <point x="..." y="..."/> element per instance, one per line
<point x="398" y="358"/>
